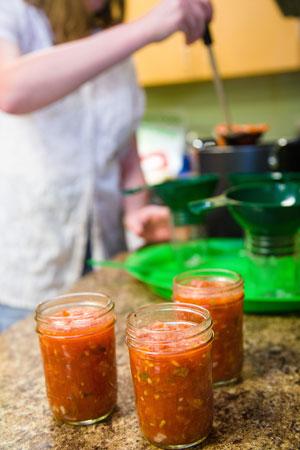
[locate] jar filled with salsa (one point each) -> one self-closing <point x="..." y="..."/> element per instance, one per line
<point x="222" y="293"/>
<point x="77" y="341"/>
<point x="170" y="358"/>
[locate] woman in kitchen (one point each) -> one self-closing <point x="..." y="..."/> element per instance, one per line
<point x="70" y="106"/>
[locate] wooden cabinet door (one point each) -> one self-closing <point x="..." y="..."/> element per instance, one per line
<point x="165" y="62"/>
<point x="251" y="37"/>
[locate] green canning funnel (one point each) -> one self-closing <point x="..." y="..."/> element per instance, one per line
<point x="256" y="177"/>
<point x="268" y="212"/>
<point x="178" y="193"/>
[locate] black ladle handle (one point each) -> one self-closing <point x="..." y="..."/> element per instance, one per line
<point x="207" y="37"/>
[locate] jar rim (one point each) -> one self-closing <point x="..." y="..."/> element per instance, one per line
<point x="74" y="299"/>
<point x="196" y="328"/>
<point x="233" y="279"/>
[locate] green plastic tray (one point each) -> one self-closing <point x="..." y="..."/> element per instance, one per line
<point x="157" y="266"/>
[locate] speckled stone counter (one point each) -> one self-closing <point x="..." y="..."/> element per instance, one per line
<point x="262" y="412"/>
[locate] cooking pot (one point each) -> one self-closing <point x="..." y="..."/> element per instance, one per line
<point x="206" y="157"/>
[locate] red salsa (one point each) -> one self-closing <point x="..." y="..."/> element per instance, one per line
<point x="78" y="349"/>
<point x="173" y="384"/>
<point x="225" y="303"/>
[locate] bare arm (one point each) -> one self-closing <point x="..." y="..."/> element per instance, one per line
<point x="30" y="82"/>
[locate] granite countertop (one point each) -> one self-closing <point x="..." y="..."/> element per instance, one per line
<point x="261" y="413"/>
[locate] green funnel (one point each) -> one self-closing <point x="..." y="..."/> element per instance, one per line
<point x="256" y="177"/>
<point x="178" y="193"/>
<point x="269" y="213"/>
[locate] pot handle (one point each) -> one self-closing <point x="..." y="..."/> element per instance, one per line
<point x="200" y="206"/>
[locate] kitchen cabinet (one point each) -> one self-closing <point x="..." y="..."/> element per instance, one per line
<point x="251" y="37"/>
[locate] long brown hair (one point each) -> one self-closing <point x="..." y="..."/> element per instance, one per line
<point x="71" y="20"/>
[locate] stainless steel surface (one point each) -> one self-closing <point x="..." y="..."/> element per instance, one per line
<point x="205" y="156"/>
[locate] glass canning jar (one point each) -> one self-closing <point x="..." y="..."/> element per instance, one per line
<point x="222" y="293"/>
<point x="77" y="341"/>
<point x="170" y="356"/>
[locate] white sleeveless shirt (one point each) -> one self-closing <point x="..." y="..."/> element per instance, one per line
<point x="59" y="171"/>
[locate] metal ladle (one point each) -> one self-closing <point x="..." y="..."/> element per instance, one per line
<point x="219" y="86"/>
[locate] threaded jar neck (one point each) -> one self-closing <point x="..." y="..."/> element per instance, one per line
<point x="74" y="311"/>
<point x="166" y="327"/>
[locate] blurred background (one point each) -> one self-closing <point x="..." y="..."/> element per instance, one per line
<point x="258" y="52"/>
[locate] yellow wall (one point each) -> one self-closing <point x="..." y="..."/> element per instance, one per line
<point x="251" y="37"/>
